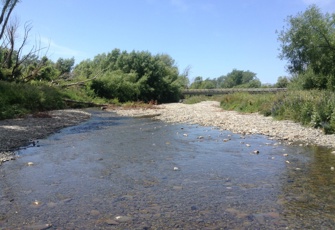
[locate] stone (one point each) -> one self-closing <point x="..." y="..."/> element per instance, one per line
<point x="123" y="218"/>
<point x="111" y="222"/>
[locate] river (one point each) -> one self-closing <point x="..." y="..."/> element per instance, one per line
<point x="116" y="172"/>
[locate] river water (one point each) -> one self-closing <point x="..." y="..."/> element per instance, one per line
<point x="115" y="172"/>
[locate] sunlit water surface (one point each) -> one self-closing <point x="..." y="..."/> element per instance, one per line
<point x="123" y="173"/>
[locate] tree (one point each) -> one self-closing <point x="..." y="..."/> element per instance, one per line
<point x="64" y="66"/>
<point x="154" y="77"/>
<point x="308" y="43"/>
<point x="282" y="82"/>
<point x="239" y="79"/>
<point x="7" y="9"/>
<point x="196" y="83"/>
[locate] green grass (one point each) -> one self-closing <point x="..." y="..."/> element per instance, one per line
<point x="19" y="99"/>
<point x="310" y="108"/>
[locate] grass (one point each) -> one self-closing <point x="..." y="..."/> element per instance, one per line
<point x="19" y="99"/>
<point x="313" y="108"/>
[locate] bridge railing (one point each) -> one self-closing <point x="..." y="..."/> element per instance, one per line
<point x="231" y="90"/>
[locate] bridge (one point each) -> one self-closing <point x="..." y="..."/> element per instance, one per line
<point x="210" y="92"/>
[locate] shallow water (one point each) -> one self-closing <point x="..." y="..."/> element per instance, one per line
<point x="124" y="173"/>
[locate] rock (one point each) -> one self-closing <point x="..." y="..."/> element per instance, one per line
<point x="39" y="227"/>
<point x="94" y="212"/>
<point x="111" y="222"/>
<point x="51" y="205"/>
<point x="177" y="187"/>
<point x="175" y="169"/>
<point x="123" y="218"/>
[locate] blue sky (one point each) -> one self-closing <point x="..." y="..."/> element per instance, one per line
<point x="212" y="37"/>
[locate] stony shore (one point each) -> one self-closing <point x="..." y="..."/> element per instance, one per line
<point x="17" y="133"/>
<point x="209" y="113"/>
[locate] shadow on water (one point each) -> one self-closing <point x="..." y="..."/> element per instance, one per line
<point x="123" y="173"/>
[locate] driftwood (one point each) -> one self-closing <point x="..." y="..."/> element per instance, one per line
<point x="78" y="83"/>
<point x="103" y="106"/>
<point x="82" y="82"/>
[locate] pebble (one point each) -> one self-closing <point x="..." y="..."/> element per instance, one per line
<point x="38" y="227"/>
<point x="94" y="212"/>
<point x="209" y="113"/>
<point x="123" y="218"/>
<point x="111" y="222"/>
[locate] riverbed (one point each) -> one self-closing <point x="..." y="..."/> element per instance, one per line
<point x="115" y="172"/>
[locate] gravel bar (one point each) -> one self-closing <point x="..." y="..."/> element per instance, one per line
<point x="209" y="113"/>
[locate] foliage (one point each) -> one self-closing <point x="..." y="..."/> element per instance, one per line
<point x="308" y="43"/>
<point x="17" y="99"/>
<point x="313" y="108"/>
<point x="64" y="66"/>
<point x="239" y="79"/>
<point x="116" y="85"/>
<point x="200" y="98"/>
<point x="250" y="103"/>
<point x="133" y="76"/>
<point x="282" y="82"/>
<point x="199" y="83"/>
<point x="234" y="79"/>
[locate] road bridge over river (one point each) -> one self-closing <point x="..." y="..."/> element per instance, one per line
<point x="210" y="92"/>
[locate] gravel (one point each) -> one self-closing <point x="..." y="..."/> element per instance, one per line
<point x="23" y="132"/>
<point x="209" y="113"/>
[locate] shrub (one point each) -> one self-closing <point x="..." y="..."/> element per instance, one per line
<point x="17" y="99"/>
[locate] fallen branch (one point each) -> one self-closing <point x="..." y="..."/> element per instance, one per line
<point x="78" y="83"/>
<point x="82" y="82"/>
<point x="85" y="103"/>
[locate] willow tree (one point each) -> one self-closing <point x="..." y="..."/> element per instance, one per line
<point x="308" y="43"/>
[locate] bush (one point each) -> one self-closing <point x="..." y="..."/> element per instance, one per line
<point x="17" y="99"/>
<point x="313" y="108"/>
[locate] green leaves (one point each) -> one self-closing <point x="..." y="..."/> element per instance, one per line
<point x="134" y="76"/>
<point x="308" y="43"/>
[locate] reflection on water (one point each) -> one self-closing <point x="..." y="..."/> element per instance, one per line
<point x="125" y="173"/>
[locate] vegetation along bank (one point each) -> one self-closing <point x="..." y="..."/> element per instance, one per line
<point x="30" y="83"/>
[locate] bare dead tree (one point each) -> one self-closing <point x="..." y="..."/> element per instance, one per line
<point x="13" y="46"/>
<point x="7" y="9"/>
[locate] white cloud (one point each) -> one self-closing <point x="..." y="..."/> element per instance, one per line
<point x="55" y="51"/>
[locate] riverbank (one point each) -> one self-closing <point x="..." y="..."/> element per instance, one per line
<point x="16" y="133"/>
<point x="209" y="113"/>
